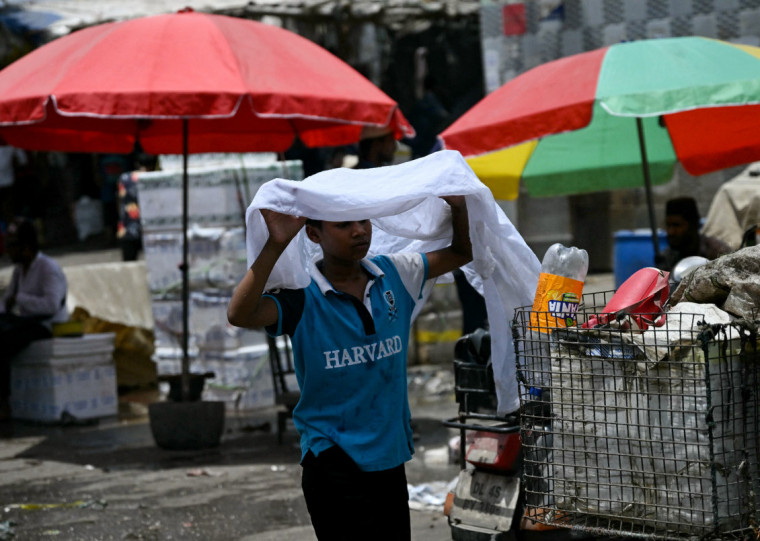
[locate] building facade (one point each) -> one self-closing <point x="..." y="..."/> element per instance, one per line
<point x="519" y="35"/>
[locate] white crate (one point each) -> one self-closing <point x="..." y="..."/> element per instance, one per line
<point x="216" y="259"/>
<point x="243" y="376"/>
<point x="217" y="195"/>
<point x="209" y="329"/>
<point x="58" y="377"/>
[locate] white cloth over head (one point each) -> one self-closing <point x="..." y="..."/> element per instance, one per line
<point x="403" y="202"/>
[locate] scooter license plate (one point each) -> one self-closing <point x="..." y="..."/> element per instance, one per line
<point x="484" y="499"/>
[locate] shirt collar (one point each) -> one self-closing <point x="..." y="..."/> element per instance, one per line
<point x="325" y="286"/>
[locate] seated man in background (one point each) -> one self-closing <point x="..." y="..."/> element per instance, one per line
<point x="34" y="300"/>
<point x="684" y="239"/>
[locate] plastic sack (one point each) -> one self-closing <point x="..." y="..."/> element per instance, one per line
<point x="88" y="217"/>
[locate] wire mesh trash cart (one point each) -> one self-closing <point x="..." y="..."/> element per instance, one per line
<point x="640" y="433"/>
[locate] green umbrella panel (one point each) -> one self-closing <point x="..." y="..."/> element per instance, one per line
<point x="603" y="156"/>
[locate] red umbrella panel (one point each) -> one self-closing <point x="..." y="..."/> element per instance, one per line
<point x="242" y="85"/>
<point x="187" y="83"/>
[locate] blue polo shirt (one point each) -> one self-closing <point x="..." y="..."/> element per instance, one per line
<point x="350" y="360"/>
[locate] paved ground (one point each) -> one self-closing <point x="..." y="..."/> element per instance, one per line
<point x="109" y="481"/>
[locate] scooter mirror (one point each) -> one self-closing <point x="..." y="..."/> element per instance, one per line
<point x="686" y="265"/>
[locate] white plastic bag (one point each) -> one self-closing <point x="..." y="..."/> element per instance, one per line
<point x="88" y="217"/>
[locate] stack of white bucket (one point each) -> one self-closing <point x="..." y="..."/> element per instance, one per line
<point x="220" y="189"/>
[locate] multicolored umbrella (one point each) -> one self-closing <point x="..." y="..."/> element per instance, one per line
<point x="186" y="83"/>
<point x="616" y="117"/>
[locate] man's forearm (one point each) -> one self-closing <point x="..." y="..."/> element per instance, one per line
<point x="242" y="310"/>
<point x="460" y="223"/>
<point x="47" y="304"/>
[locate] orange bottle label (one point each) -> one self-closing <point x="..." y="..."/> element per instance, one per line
<point x="556" y="302"/>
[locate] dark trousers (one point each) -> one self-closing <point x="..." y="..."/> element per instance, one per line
<point x="346" y="503"/>
<point x="474" y="312"/>
<point x="15" y="334"/>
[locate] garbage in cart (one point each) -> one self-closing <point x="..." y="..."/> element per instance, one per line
<point x="649" y="429"/>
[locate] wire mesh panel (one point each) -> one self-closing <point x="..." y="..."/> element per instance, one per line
<point x="643" y="425"/>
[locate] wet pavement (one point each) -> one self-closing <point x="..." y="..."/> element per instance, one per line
<point x="109" y="481"/>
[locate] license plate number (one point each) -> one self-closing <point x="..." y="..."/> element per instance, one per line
<point x="485" y="499"/>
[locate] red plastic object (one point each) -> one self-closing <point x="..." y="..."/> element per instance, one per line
<point x="642" y="296"/>
<point x="493" y="451"/>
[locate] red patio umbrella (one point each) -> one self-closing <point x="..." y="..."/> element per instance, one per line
<point x="187" y="83"/>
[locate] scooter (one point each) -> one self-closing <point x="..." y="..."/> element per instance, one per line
<point x="488" y="501"/>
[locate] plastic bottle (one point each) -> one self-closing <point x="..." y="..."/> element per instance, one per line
<point x="560" y="286"/>
<point x="558" y="295"/>
<point x="569" y="262"/>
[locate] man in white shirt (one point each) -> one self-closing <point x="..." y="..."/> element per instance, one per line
<point x="34" y="300"/>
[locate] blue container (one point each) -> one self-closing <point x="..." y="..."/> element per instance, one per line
<point x="634" y="250"/>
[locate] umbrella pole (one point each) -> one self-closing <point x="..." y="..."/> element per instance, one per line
<point x="185" y="271"/>
<point x="648" y="186"/>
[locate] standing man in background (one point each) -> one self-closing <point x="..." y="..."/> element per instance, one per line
<point x="10" y="159"/>
<point x="376" y="148"/>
